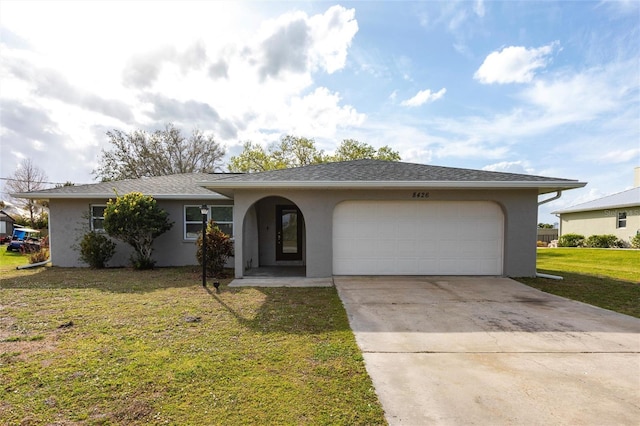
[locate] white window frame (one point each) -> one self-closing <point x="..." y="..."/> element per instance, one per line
<point x="621" y="220"/>
<point x="186" y="222"/>
<point x="92" y="217"/>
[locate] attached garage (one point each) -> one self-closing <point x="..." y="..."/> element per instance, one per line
<point x="418" y="238"/>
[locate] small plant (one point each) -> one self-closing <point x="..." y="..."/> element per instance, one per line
<point x="39" y="256"/>
<point x="571" y="240"/>
<point x="603" y="241"/>
<point x="96" y="249"/>
<point x="219" y="249"/>
<point x="635" y="241"/>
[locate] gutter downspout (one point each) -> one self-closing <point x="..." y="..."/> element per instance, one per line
<point x="540" y="274"/>
<point x="33" y="265"/>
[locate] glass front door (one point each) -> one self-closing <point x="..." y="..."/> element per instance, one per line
<point x="288" y="233"/>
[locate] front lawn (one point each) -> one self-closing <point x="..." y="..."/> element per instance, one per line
<point x="118" y="346"/>
<point x="607" y="278"/>
<point x="10" y="259"/>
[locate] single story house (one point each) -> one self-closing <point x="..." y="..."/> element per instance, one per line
<point x="616" y="214"/>
<point x="363" y="217"/>
<point x="6" y="224"/>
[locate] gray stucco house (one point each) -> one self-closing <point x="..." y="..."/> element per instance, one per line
<point x="363" y="217"/>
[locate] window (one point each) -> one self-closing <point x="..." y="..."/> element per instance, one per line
<point x="97" y="217"/>
<point x="622" y="219"/>
<point x="222" y="215"/>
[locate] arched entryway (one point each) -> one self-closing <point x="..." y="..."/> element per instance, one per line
<point x="274" y="238"/>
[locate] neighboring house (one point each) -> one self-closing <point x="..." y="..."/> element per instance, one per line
<point x="364" y="217"/>
<point x="6" y="224"/>
<point x="616" y="214"/>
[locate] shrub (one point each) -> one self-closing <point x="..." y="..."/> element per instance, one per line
<point x="635" y="241"/>
<point x="96" y="249"/>
<point x="219" y="249"/>
<point x="39" y="255"/>
<point x="137" y="220"/>
<point x="603" y="241"/>
<point x="571" y="240"/>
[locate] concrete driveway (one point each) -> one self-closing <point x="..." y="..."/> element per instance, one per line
<point x="486" y="350"/>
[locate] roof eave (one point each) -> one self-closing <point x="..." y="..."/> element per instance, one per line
<point x="61" y="196"/>
<point x="593" y="209"/>
<point x="543" y="187"/>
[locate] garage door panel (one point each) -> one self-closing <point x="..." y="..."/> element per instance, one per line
<point x="426" y="238"/>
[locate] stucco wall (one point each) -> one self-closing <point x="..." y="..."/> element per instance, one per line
<point x="599" y="222"/>
<point x="519" y="207"/>
<point x="69" y="220"/>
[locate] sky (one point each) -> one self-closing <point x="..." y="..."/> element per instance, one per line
<point x="545" y="88"/>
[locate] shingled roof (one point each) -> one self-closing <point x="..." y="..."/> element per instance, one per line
<point x="387" y="174"/>
<point x="369" y="174"/>
<point x="179" y="186"/>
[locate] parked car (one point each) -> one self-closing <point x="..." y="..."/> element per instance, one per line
<point x="24" y="240"/>
<point x="5" y="238"/>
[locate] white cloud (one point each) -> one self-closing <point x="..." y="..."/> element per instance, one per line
<point x="478" y="8"/>
<point x="520" y="167"/>
<point x="514" y="64"/>
<point x="424" y="96"/>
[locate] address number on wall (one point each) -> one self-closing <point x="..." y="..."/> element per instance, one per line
<point x="419" y="194"/>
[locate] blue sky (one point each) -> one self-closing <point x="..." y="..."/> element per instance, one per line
<point x="546" y="88"/>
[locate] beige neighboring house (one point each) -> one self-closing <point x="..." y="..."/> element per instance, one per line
<point x="616" y="214"/>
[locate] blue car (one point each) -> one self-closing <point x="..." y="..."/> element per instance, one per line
<point x="24" y="240"/>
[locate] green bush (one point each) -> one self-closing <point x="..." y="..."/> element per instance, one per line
<point x="96" y="249"/>
<point x="603" y="241"/>
<point x="219" y="249"/>
<point x="571" y="240"/>
<point x="137" y="220"/>
<point x="635" y="241"/>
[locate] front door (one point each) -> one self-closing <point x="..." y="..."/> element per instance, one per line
<point x="288" y="233"/>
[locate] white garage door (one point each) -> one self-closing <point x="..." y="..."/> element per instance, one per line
<point x="417" y="238"/>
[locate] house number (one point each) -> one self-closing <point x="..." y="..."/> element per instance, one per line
<point x="418" y="194"/>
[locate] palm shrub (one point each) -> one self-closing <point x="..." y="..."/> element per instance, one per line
<point x="38" y="256"/>
<point x="571" y="240"/>
<point x="137" y="220"/>
<point x="219" y="249"/>
<point x="96" y="249"/>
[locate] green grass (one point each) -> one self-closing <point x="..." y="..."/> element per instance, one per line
<point x="606" y="278"/>
<point x="117" y="346"/>
<point x="10" y="259"/>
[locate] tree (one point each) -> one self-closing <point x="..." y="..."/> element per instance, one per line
<point x="27" y="177"/>
<point x="294" y="151"/>
<point x="164" y="152"/>
<point x="545" y="226"/>
<point x="137" y="220"/>
<point x="351" y="149"/>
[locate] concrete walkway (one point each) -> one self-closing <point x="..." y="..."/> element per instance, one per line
<point x="478" y="350"/>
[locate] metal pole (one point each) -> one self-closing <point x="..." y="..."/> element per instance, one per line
<point x="204" y="247"/>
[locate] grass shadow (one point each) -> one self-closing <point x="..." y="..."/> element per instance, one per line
<point x="116" y="280"/>
<point x="288" y="310"/>
<point x="614" y="294"/>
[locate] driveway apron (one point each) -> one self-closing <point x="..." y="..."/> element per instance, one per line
<point x="489" y="350"/>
